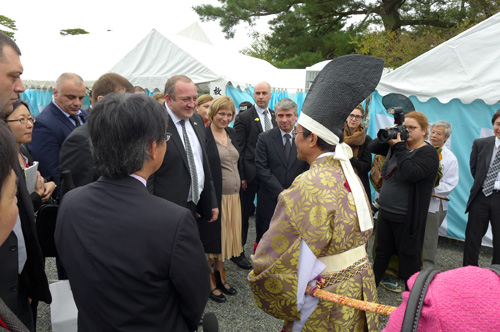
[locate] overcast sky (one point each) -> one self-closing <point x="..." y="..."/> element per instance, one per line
<point x="49" y="17"/>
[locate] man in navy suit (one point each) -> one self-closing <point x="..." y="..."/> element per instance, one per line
<point x="135" y="262"/>
<point x="185" y="179"/>
<point x="276" y="163"/>
<point x="56" y="122"/>
<point x="248" y="125"/>
<point x="484" y="200"/>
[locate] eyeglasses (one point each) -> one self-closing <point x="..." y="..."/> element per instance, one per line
<point x="354" y="116"/>
<point x="295" y="132"/>
<point x="23" y="120"/>
<point x="411" y="128"/>
<point x="167" y="136"/>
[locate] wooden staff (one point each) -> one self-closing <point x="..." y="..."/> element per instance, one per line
<point x="440" y="197"/>
<point x="353" y="303"/>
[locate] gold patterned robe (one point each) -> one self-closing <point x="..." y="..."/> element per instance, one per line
<point x="319" y="209"/>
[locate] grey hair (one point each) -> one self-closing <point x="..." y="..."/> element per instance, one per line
<point x="122" y="128"/>
<point x="286" y="104"/>
<point x="445" y="124"/>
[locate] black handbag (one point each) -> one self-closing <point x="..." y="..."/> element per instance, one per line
<point x="45" y="228"/>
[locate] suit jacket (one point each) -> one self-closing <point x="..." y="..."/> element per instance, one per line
<point x="33" y="278"/>
<point x="76" y="157"/>
<point x="211" y="232"/>
<point x="173" y="180"/>
<point x="480" y="159"/>
<point x="274" y="172"/>
<point x="247" y="132"/>
<point x="135" y="261"/>
<point x="49" y="132"/>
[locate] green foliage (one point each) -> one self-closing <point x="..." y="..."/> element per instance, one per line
<point x="78" y="31"/>
<point x="9" y="23"/>
<point x="304" y="32"/>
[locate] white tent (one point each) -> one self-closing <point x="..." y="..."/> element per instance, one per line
<point x="464" y="67"/>
<point x="457" y="81"/>
<point x="156" y="58"/>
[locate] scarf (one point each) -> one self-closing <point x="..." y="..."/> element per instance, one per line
<point x="355" y="140"/>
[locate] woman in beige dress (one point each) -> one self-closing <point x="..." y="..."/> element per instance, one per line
<point x="222" y="238"/>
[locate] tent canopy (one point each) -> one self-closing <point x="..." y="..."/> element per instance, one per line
<point x="464" y="67"/>
<point x="146" y="58"/>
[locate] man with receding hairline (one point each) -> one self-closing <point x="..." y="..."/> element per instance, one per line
<point x="56" y="122"/>
<point x="248" y="125"/>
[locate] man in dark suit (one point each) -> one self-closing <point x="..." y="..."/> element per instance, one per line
<point x="75" y="153"/>
<point x="276" y="162"/>
<point x="248" y="125"/>
<point x="135" y="262"/>
<point x="184" y="178"/>
<point x="484" y="200"/>
<point x="56" y="122"/>
<point x="22" y="273"/>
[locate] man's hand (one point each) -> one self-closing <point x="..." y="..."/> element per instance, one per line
<point x="49" y="188"/>
<point x="244" y="184"/>
<point x="215" y="215"/>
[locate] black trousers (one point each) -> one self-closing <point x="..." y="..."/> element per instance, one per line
<point x="390" y="228"/>
<point x="482" y="210"/>
<point x="247" y="207"/>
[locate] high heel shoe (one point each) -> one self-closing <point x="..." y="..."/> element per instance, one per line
<point x="222" y="286"/>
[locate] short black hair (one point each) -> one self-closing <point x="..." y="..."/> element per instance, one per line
<point x="122" y="127"/>
<point x="7" y="41"/>
<point x="495" y="117"/>
<point x="324" y="146"/>
<point x="8" y="153"/>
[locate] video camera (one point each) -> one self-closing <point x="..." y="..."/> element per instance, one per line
<point x="399" y="117"/>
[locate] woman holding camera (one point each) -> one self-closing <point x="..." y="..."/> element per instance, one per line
<point x="409" y="173"/>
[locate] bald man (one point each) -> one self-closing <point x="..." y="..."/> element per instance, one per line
<point x="248" y="126"/>
<point x="56" y="122"/>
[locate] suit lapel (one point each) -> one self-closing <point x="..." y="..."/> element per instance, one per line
<point x="255" y="116"/>
<point x="62" y="118"/>
<point x="489" y="153"/>
<point x="277" y="142"/>
<point x="176" y="139"/>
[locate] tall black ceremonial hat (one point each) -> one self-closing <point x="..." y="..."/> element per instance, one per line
<point x="398" y="100"/>
<point x="342" y="84"/>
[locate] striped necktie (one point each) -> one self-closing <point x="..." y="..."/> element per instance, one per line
<point x="192" y="166"/>
<point x="267" y="123"/>
<point x="491" y="177"/>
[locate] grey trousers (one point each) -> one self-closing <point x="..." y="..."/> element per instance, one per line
<point x="434" y="221"/>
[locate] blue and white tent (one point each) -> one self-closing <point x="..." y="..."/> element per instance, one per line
<point x="457" y="81"/>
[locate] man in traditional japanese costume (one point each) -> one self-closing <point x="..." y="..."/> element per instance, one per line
<point x="323" y="221"/>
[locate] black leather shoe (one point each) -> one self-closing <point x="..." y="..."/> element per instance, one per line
<point x="242" y="262"/>
<point x="217" y="298"/>
<point x="222" y="286"/>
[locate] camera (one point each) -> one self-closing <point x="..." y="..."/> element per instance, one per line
<point x="399" y="117"/>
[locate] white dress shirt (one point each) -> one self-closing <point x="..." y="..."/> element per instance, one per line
<point x="448" y="182"/>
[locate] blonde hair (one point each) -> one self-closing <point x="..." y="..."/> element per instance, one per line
<point x="204" y="99"/>
<point x="219" y="103"/>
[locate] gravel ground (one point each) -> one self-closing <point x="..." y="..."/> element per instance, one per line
<point x="240" y="313"/>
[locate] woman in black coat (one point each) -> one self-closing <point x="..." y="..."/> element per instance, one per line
<point x="409" y="172"/>
<point x="355" y="136"/>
